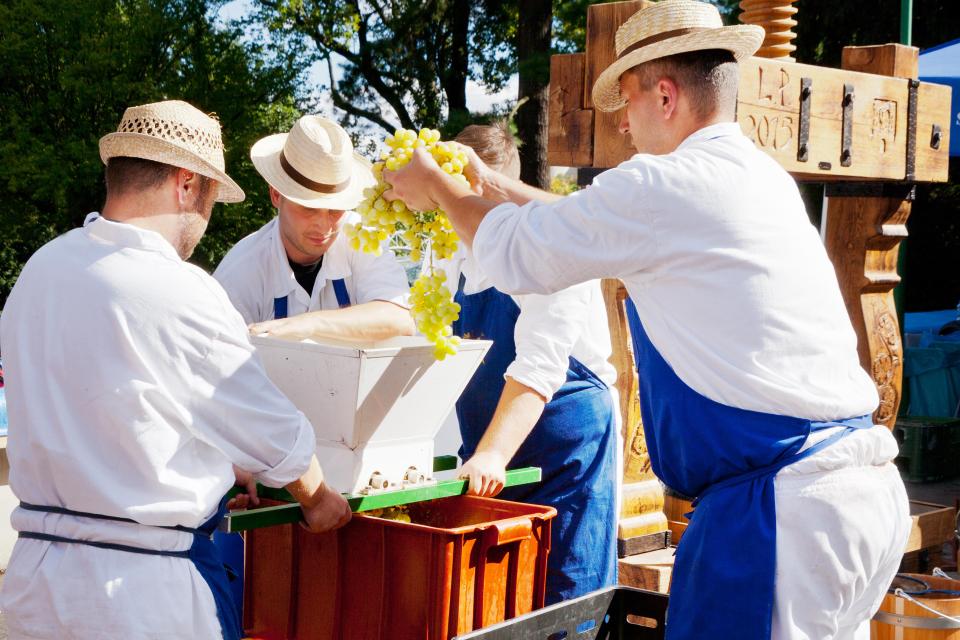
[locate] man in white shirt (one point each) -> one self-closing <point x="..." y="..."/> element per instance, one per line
<point x="133" y="390"/>
<point x="542" y="397"/>
<point x="298" y="277"/>
<point x="752" y="393"/>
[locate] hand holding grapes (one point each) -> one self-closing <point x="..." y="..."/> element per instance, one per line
<point x="412" y="162"/>
<point x="411" y="183"/>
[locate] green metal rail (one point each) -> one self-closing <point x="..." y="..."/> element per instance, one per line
<point x="291" y="513"/>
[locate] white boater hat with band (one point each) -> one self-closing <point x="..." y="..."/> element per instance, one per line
<point x="314" y="165"/>
<point x="667" y="28"/>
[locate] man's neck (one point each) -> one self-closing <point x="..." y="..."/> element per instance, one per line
<point x="698" y="124"/>
<point x="145" y="212"/>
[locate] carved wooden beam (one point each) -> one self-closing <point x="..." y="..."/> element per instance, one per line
<point x="864" y="226"/>
<point x="820" y="124"/>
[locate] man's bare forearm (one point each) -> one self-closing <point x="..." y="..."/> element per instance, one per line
<point x="371" y="321"/>
<point x="518" y="411"/>
<point x="305" y="488"/>
<point x="368" y="322"/>
<point x="500" y="188"/>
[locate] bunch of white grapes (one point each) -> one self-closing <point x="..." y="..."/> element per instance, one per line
<point x="432" y="305"/>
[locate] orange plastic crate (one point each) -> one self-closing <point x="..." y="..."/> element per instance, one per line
<point x="462" y="564"/>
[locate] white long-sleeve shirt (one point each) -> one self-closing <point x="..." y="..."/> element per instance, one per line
<point x="131" y="387"/>
<point x="731" y="282"/>
<point x="256" y="271"/>
<point x="549" y="329"/>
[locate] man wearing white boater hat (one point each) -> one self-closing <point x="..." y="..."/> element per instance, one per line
<point x="132" y="390"/>
<point x="752" y="393"/>
<point x="299" y="262"/>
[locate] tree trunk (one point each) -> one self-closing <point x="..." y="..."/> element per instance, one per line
<point x="454" y="77"/>
<point x="533" y="60"/>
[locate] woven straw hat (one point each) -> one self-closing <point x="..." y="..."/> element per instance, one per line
<point x="667" y="28"/>
<point x="175" y="133"/>
<point x="314" y="165"/>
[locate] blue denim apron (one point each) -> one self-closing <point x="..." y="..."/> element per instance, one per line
<point x="230" y="545"/>
<point x="725" y="566"/>
<point x="339" y="290"/>
<point x="201" y="553"/>
<point x="573" y="443"/>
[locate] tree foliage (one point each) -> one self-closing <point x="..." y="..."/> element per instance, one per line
<point x="413" y="56"/>
<point x="71" y="68"/>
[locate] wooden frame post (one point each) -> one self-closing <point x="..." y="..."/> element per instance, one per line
<point x="864" y="226"/>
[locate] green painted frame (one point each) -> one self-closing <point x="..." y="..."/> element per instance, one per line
<point x="245" y="520"/>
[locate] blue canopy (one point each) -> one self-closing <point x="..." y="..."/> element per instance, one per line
<point x="941" y="64"/>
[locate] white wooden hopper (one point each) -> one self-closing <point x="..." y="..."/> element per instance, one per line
<point x="375" y="408"/>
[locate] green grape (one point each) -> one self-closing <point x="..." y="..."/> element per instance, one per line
<point x="432" y="305"/>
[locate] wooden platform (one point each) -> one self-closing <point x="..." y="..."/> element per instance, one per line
<point x="651" y="570"/>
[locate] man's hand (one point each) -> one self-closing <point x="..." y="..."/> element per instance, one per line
<point x="248" y="497"/>
<point x="295" y="328"/>
<point x="413" y="183"/>
<point x="476" y="171"/>
<point x="328" y="510"/>
<point x="487" y="472"/>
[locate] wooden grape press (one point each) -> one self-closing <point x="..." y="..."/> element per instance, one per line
<point x="869" y="131"/>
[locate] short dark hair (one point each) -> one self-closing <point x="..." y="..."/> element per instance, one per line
<point x="125" y="174"/>
<point x="710" y="78"/>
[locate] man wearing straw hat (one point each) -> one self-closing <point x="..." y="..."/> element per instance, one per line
<point x="299" y="262"/>
<point x="752" y="393"/>
<point x="133" y="390"/>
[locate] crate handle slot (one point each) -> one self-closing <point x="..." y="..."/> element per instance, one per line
<point x="507" y="531"/>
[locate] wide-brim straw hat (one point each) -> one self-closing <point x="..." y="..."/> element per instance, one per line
<point x="666" y="28"/>
<point x="314" y="165"/>
<point x="175" y="133"/>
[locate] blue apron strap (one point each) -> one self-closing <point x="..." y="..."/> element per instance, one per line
<point x="340" y="289"/>
<point x="771" y="470"/>
<point x="47" y="537"/>
<point x="280" y="308"/>
<point x="26" y="506"/>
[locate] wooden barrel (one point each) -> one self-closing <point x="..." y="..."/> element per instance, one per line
<point x="900" y="619"/>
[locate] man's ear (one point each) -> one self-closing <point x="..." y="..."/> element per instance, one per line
<point x="187" y="184"/>
<point x="668" y="94"/>
<point x="275" y="197"/>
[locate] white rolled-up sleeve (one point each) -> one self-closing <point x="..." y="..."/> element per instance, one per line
<point x="548" y="328"/>
<point x="236" y="408"/>
<point x="380" y="278"/>
<point x="603" y="231"/>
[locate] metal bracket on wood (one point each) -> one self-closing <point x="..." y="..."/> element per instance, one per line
<point x="911" y="173"/>
<point x="894" y="190"/>
<point x="803" y="140"/>
<point x="846" y="143"/>
<point x="936" y="135"/>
